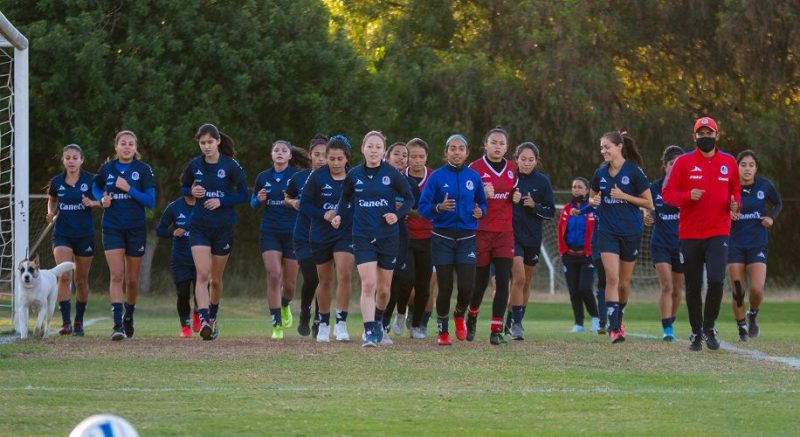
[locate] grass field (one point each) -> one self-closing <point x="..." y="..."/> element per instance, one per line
<point x="553" y="383"/>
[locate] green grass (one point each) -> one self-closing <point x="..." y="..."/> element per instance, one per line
<point x="553" y="383"/>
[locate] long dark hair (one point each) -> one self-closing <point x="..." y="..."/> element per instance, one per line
<point x="495" y="130"/>
<point x="629" y="150"/>
<point x="300" y="158"/>
<point x="226" y="144"/>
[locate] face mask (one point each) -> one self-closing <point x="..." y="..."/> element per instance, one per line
<point x="578" y="199"/>
<point x="706" y="144"/>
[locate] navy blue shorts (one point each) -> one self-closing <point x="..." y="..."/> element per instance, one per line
<point x="219" y="238"/>
<point x="302" y="249"/>
<point x="323" y="252"/>
<point x="280" y="241"/>
<point x="132" y="240"/>
<point x="450" y="251"/>
<point x="627" y="247"/>
<point x="81" y="246"/>
<point x="747" y="256"/>
<point x="529" y="254"/>
<point x="670" y="256"/>
<point x="182" y="272"/>
<point x="382" y="250"/>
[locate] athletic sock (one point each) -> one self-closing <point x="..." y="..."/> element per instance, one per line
<point x="426" y="316"/>
<point x="65" y="308"/>
<point x="370" y="328"/>
<point x="473" y="312"/>
<point x="666" y="323"/>
<point x="672" y="320"/>
<point x="203" y="314"/>
<point x="275" y="316"/>
<point x="213" y="310"/>
<point x="752" y="312"/>
<point x="741" y="323"/>
<point x="80" y="309"/>
<point x="379" y="318"/>
<point x="325" y="318"/>
<point x="129" y="309"/>
<point x="622" y="311"/>
<point x="613" y="315"/>
<point x="116" y="312"/>
<point x="341" y="316"/>
<point x="285" y="301"/>
<point x="443" y="323"/>
<point x="516" y="313"/>
<point x="497" y="324"/>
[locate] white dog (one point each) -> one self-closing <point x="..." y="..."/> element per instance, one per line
<point x="37" y="290"/>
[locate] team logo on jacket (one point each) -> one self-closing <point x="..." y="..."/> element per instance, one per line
<point x="327" y="187"/>
<point x="723" y="169"/>
<point x="198" y="173"/>
<point x="386" y="180"/>
<point x="221" y="173"/>
<point x="510" y="174"/>
<point x="61" y="188"/>
<point x="84" y="187"/>
<point x="760" y="195"/>
<point x="470" y="185"/>
<point x="626" y="180"/>
<point x="135" y="176"/>
<point x="696" y="168"/>
<point x="181" y="216"/>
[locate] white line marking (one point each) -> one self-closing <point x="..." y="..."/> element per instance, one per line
<point x="12" y="338"/>
<point x="754" y="354"/>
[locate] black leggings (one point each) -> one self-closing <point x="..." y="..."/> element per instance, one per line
<point x="579" y="275"/>
<point x="444" y="278"/>
<point x="502" y="274"/>
<point x="711" y="253"/>
<point x="400" y="290"/>
<point x="310" y="281"/>
<point x="184" y="295"/>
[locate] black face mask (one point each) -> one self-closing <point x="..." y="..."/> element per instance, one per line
<point x="578" y="199"/>
<point x="706" y="144"/>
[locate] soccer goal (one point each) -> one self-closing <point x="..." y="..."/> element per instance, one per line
<point x="14" y="202"/>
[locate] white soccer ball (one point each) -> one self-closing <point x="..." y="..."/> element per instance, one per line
<point x="104" y="425"/>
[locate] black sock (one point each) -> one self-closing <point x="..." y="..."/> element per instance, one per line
<point x="443" y="323"/>
<point x="213" y="310"/>
<point x="285" y="301"/>
<point x="129" y="309"/>
<point x="666" y="323"/>
<point x="426" y="316"/>
<point x="80" y="309"/>
<point x="116" y="311"/>
<point x="325" y="318"/>
<point x="275" y="315"/>
<point x="341" y="316"/>
<point x="65" y="308"/>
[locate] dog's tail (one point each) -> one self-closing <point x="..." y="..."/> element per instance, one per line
<point x="62" y="268"/>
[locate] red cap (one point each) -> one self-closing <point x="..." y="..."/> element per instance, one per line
<point x="705" y="122"/>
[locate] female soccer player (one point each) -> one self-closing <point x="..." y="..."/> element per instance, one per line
<point x="70" y="199"/>
<point x="619" y="189"/>
<point x="275" y="241"/>
<point x="665" y="247"/>
<point x="453" y="200"/>
<point x="174" y="224"/>
<point x="301" y="239"/>
<point x="126" y="187"/>
<point x="495" y="236"/>
<point x="218" y="183"/>
<point x="374" y="187"/>
<point x="575" y="230"/>
<point x="331" y="247"/>
<point x="747" y="249"/>
<point x="532" y="203"/>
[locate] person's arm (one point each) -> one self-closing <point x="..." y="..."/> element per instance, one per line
<point x="480" y="195"/>
<point x="308" y="197"/>
<point x="426" y="203"/>
<point x="254" y="202"/>
<point x="242" y="192"/>
<point x="163" y="229"/>
<point x="775" y="200"/>
<point x="401" y="186"/>
<point x="673" y="191"/>
<point x="146" y="198"/>
<point x="546" y="208"/>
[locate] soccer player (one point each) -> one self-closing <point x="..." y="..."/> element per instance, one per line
<point x="331" y="247"/>
<point x="747" y="248"/>
<point x="453" y="200"/>
<point x="532" y="204"/>
<point x="704" y="185"/>
<point x="575" y="230"/>
<point x="495" y="235"/>
<point x="374" y="187"/>
<point x="174" y="224"/>
<point x="665" y="247"/>
<point x="301" y="235"/>
<point x="70" y="201"/>
<point x="218" y="183"/>
<point x="275" y="239"/>
<point x="619" y="188"/>
<point x="126" y="186"/>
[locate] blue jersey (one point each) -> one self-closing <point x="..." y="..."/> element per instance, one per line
<point x="177" y="215"/>
<point x="528" y="221"/>
<point x="403" y="226"/>
<point x="127" y="209"/>
<point x="302" y="225"/>
<point x="224" y="180"/>
<point x="747" y="232"/>
<point x="620" y="217"/>
<point x="373" y="193"/>
<point x="665" y="227"/>
<point x="459" y="183"/>
<point x="321" y="194"/>
<point x="74" y="219"/>
<point x="278" y="216"/>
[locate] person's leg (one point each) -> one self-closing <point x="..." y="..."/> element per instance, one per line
<point x="344" y="279"/>
<point x="611" y="266"/>
<point x="572" y="277"/>
<point x="289" y="281"/>
<point x="82" y="266"/>
<point x="585" y="279"/>
<point x="184" y="309"/>
<point x="63" y="254"/>
<point x="736" y="273"/>
<point x="716" y="260"/>
<point x="422" y="281"/>
<point x="273" y="265"/>
<point x="757" y="273"/>
<point x="310" y="282"/>
<point x="694" y="262"/>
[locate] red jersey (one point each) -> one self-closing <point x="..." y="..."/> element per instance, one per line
<point x="498" y="216"/>
<point x="710" y="216"/>
<point x="419" y="228"/>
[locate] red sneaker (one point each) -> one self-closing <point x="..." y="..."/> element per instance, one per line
<point x="444" y="339"/>
<point x="622" y="329"/>
<point x="186" y="332"/>
<point x="196" y="321"/>
<point x="617" y="336"/>
<point x="66" y="329"/>
<point x="461" y="328"/>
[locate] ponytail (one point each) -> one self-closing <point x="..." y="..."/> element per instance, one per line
<point x="300" y="158"/>
<point x="629" y="150"/>
<point x="226" y="144"/>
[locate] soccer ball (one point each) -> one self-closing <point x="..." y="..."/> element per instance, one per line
<point x="104" y="425"/>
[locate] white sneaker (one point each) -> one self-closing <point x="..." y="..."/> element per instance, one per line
<point x="399" y="324"/>
<point x="578" y="329"/>
<point x="417" y="333"/>
<point x="324" y="334"/>
<point x="340" y="331"/>
<point x="595" y="326"/>
<point x="386" y="341"/>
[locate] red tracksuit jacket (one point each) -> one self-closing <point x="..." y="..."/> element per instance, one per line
<point x="710" y="216"/>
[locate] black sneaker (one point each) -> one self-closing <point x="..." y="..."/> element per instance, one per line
<point x="472" y="323"/>
<point x="711" y="339"/>
<point x="206" y="331"/>
<point x="118" y="334"/>
<point x="695" y="343"/>
<point x="302" y="327"/>
<point x="315" y="329"/>
<point x="214" y="329"/>
<point x="127" y="324"/>
<point x="602" y="330"/>
<point x="743" y="336"/>
<point x="496" y="338"/>
<point x="77" y="329"/>
<point x="752" y="325"/>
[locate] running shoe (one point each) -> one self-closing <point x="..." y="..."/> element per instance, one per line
<point x="369" y="341"/>
<point x="712" y="342"/>
<point x="695" y="343"/>
<point x="408" y="322"/>
<point x="385" y="340"/>
<point x="743" y="334"/>
<point x="578" y="329"/>
<point x="668" y="334"/>
<point x="214" y="329"/>
<point x="516" y="332"/>
<point x="444" y="339"/>
<point x="277" y="332"/>
<point x="286" y="316"/>
<point x="127" y="324"/>
<point x="399" y="324"/>
<point x="315" y="328"/>
<point x="752" y="325"/>
<point x="423" y="331"/>
<point x="186" y="332"/>
<point x="461" y="328"/>
<point x="617" y="336"/>
<point x="340" y="331"/>
<point x="324" y="333"/>
<point x="118" y="333"/>
<point x="66" y="329"/>
<point x="472" y="324"/>
<point x="302" y="327"/>
<point x="417" y="333"/>
<point x="594" y="326"/>
<point x="496" y="338"/>
<point x="77" y="329"/>
<point x="622" y="329"/>
<point x="196" y="321"/>
<point x="206" y="331"/>
<point x="602" y="329"/>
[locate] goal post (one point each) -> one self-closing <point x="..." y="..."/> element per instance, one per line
<point x="14" y="187"/>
